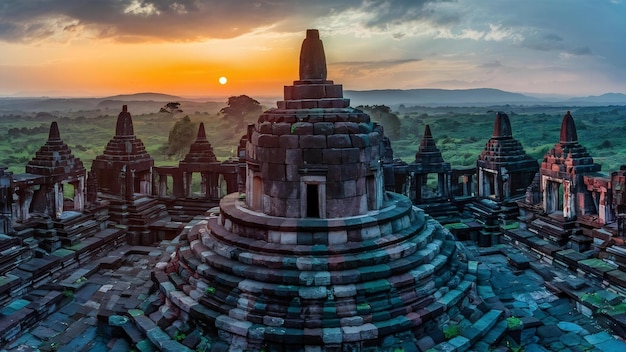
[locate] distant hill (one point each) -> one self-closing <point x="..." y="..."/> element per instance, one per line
<point x="145" y="97"/>
<point x="438" y="97"/>
<point x="139" y="103"/>
<point x="604" y="99"/>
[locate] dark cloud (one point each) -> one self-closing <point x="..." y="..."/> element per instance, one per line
<point x="552" y="42"/>
<point x="492" y="64"/>
<point x="189" y="20"/>
<point x="542" y="41"/>
<point x="392" y="12"/>
<point x="358" y="67"/>
<point x="578" y="51"/>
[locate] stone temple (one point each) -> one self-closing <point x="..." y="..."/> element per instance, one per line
<point x="313" y="238"/>
<point x="316" y="254"/>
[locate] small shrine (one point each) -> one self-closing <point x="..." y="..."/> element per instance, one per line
<point x="124" y="169"/>
<point x="48" y="176"/>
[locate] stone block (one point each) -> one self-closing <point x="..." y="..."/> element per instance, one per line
<point x="283" y="189"/>
<point x="351" y="333"/>
<point x="342" y="127"/>
<point x="339" y="141"/>
<point x="325" y="128"/>
<point x="302" y="128"/>
<point x="350" y="155"/>
<point x="233" y="326"/>
<point x="368" y="233"/>
<point x="313" y="141"/>
<point x="268" y="141"/>
<point x="460" y="343"/>
<point x="288" y="141"/>
<point x="348" y="172"/>
<point x="333" y="91"/>
<point x="332" y="335"/>
<point x="289" y="238"/>
<point x="293" y="104"/>
<point x="309" y="91"/>
<point x="309" y="104"/>
<point x="326" y="103"/>
<point x="341" y="103"/>
<point x="293" y="156"/>
<point x="288" y="94"/>
<point x="292" y="174"/>
<point x="273" y="321"/>
<point x="344" y="290"/>
<point x="274" y="172"/>
<point x="360" y="140"/>
<point x="337" y="237"/>
<point x="312" y="292"/>
<point x="332" y="156"/>
<point x="264" y="128"/>
<point x="281" y="128"/>
<point x="312" y="156"/>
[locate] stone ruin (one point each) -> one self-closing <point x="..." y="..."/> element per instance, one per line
<point x="316" y="254"/>
<point x="322" y="240"/>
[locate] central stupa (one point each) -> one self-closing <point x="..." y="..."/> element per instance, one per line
<point x="316" y="256"/>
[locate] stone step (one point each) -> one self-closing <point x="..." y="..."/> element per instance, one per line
<point x="263" y="244"/>
<point x="495" y="334"/>
<point x="453" y="297"/>
<point x="304" y="278"/>
<point x="482" y="326"/>
<point x="271" y="259"/>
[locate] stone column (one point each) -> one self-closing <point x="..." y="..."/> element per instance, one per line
<point x="79" y="194"/>
<point x="57" y="194"/>
<point x="25" y="197"/>
<point x="162" y="185"/>
<point x="569" y="207"/>
<point x="145" y="183"/>
<point x="188" y="179"/>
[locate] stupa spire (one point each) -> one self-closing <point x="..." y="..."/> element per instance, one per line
<point x="54" y="134"/>
<point x="201" y="133"/>
<point x="124" y="126"/>
<point x="568" y="129"/>
<point x="502" y="126"/>
<point x="312" y="57"/>
<point x="427" y="133"/>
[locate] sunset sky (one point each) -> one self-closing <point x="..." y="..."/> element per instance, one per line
<point x="99" y="47"/>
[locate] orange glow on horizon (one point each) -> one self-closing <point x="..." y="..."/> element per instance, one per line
<point x="187" y="70"/>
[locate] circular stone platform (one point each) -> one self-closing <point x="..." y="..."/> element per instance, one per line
<point x="260" y="280"/>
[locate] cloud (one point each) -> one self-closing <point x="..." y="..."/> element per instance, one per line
<point x="551" y="42"/>
<point x="386" y="14"/>
<point x="359" y="67"/>
<point x="491" y="64"/>
<point x="192" y="20"/>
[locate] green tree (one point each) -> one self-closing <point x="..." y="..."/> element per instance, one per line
<point x="182" y="134"/>
<point x="383" y="115"/>
<point x="171" y="108"/>
<point x="241" y="107"/>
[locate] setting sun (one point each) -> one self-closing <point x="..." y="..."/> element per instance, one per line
<point x="222" y="80"/>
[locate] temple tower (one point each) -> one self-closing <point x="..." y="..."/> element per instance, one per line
<point x="314" y="156"/>
<point x="59" y="168"/>
<point x="504" y="169"/>
<point x="562" y="177"/>
<point x="124" y="169"/>
<point x="124" y="179"/>
<point x="504" y="172"/>
<point x="315" y="256"/>
<point x="201" y="159"/>
<point x="429" y="161"/>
